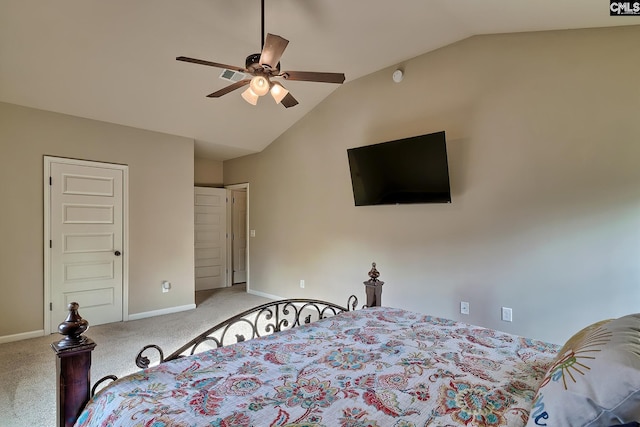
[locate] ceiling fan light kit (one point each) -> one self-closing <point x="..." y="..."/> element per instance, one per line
<point x="278" y="92"/>
<point x="263" y="67"/>
<point x="259" y="85"/>
<point x="250" y="96"/>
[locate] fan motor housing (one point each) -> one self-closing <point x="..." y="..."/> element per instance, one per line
<point x="252" y="64"/>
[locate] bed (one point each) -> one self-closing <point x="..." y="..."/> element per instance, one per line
<point x="381" y="366"/>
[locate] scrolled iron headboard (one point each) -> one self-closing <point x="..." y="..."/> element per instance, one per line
<point x="265" y="319"/>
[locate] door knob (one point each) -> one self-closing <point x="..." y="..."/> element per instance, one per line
<point x="117" y="253"/>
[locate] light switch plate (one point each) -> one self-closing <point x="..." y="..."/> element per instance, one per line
<point x="464" y="307"/>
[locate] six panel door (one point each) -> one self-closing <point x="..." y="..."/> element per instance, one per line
<point x="86" y="215"/>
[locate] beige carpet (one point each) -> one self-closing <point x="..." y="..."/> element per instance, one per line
<point x="27" y="368"/>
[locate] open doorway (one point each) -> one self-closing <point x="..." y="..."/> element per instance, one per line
<point x="238" y="232"/>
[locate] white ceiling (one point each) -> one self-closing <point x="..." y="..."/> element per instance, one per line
<point x="114" y="60"/>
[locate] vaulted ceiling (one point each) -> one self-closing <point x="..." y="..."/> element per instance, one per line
<point x="114" y="60"/>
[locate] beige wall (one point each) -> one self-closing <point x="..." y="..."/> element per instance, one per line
<point x="544" y="149"/>
<point x="160" y="209"/>
<point x="207" y="172"/>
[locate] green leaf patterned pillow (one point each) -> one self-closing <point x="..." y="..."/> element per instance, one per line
<point x="595" y="379"/>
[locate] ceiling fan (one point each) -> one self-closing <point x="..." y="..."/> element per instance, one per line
<point x="264" y="67"/>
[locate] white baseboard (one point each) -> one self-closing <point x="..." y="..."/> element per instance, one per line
<point x="264" y="295"/>
<point x="22" y="336"/>
<point x="169" y="310"/>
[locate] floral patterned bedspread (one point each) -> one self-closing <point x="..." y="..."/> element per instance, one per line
<point x="370" y="367"/>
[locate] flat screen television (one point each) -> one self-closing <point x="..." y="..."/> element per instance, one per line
<point x="409" y="170"/>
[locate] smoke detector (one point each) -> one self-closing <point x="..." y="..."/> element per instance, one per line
<point x="398" y="75"/>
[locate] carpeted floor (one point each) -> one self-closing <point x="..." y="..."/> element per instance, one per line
<point x="27" y="368"/>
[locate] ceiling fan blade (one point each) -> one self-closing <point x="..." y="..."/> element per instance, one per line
<point x="312" y="76"/>
<point x="230" y="88"/>
<point x="289" y="101"/>
<point x="273" y="48"/>
<point x="211" y="64"/>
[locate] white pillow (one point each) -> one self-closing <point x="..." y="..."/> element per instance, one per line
<point x="595" y="379"/>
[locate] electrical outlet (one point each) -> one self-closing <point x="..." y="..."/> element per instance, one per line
<point x="464" y="307"/>
<point x="302" y="283"/>
<point x="507" y="314"/>
<point x="166" y="285"/>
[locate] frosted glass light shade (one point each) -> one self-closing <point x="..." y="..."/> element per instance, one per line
<point x="259" y="85"/>
<point x="278" y="92"/>
<point x="250" y="96"/>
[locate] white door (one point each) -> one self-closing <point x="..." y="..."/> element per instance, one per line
<point x="85" y="240"/>
<point x="210" y="237"/>
<point x="239" y="236"/>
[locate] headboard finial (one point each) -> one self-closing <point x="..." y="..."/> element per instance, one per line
<point x="73" y="327"/>
<point x="373" y="286"/>
<point x="73" y="366"/>
<point x="374" y="273"/>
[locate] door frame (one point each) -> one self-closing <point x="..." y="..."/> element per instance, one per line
<point x="242" y="186"/>
<point x="48" y="160"/>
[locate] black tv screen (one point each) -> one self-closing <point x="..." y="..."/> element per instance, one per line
<point x="410" y="170"/>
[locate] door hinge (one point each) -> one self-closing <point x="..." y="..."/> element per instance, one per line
<point x="50" y="181"/>
<point x="50" y="244"/>
<point x="50" y="306"/>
